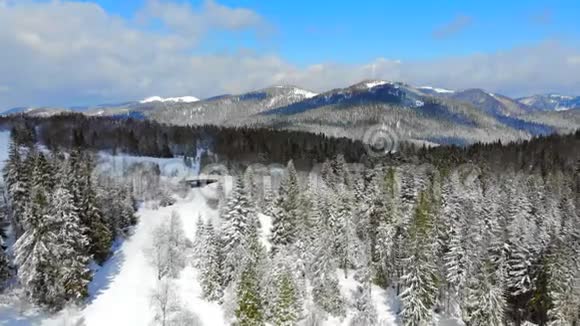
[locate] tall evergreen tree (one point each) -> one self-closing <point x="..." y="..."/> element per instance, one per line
<point x="238" y="232"/>
<point x="17" y="178"/>
<point x="419" y="280"/>
<point x="210" y="265"/>
<point x="249" y="311"/>
<point x="287" y="307"/>
<point x="286" y="216"/>
<point x="73" y="258"/>
<point x="485" y="302"/>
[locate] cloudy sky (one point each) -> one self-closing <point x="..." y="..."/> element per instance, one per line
<point x="89" y="52"/>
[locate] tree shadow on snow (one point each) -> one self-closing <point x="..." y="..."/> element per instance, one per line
<point x="104" y="275"/>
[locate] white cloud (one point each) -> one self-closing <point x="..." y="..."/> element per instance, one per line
<point x="192" y="23"/>
<point x="60" y="53"/>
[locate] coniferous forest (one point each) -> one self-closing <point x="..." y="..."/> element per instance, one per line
<point x="488" y="234"/>
<point x="60" y="219"/>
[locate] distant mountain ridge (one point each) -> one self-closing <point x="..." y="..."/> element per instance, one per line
<point x="424" y="114"/>
<point x="551" y="102"/>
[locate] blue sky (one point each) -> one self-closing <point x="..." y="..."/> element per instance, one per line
<point x="307" y="32"/>
<point x="76" y="52"/>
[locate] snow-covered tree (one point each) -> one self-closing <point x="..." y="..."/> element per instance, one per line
<point x="35" y="251"/>
<point x="73" y="259"/>
<point x="239" y="233"/>
<point x="210" y="265"/>
<point x="287" y="306"/>
<point x="286" y="215"/>
<point x="167" y="250"/>
<point x="199" y="241"/>
<point x="168" y="308"/>
<point x="366" y="313"/>
<point x="486" y="301"/>
<point x="250" y="306"/>
<point x="325" y="287"/>
<point x="17" y="178"/>
<point x="563" y="284"/>
<point x="419" y="281"/>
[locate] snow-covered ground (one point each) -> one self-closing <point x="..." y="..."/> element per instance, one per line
<point x="120" y="291"/>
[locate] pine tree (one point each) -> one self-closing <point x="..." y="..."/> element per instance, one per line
<point x="73" y="259"/>
<point x="287" y="307"/>
<point x="563" y="284"/>
<point x="486" y="303"/>
<point x="210" y="265"/>
<point x="199" y="241"/>
<point x="325" y="287"/>
<point x="419" y="281"/>
<point x="238" y="232"/>
<point x="249" y="311"/>
<point x="17" y="178"/>
<point x="285" y="217"/>
<point x="36" y="251"/>
<point x="98" y="232"/>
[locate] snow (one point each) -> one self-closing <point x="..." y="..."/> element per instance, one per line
<point x="437" y="90"/>
<point x="304" y="93"/>
<point x="562" y="108"/>
<point x="183" y="99"/>
<point x="266" y="228"/>
<point x="386" y="302"/>
<point x="375" y="83"/>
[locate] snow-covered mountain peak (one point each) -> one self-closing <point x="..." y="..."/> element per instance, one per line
<point x="375" y="83"/>
<point x="182" y="99"/>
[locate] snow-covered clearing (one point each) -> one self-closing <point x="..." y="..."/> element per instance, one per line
<point x="120" y="291"/>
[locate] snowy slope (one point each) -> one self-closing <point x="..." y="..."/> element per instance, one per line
<point x="182" y="99"/>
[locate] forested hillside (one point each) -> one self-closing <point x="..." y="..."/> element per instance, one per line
<point x="479" y="235"/>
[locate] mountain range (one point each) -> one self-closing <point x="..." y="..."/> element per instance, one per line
<point x="420" y="114"/>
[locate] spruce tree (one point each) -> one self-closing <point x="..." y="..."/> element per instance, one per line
<point x="325" y="287"/>
<point x="36" y="251"/>
<point x="249" y="311"/>
<point x="486" y="302"/>
<point x="199" y="241"/>
<point x="74" y="274"/>
<point x="97" y="229"/>
<point x="287" y="307"/>
<point x="419" y="280"/>
<point x="239" y="228"/>
<point x="17" y="178"/>
<point x="285" y="218"/>
<point x="210" y="265"/>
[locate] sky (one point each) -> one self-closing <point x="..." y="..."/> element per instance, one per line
<point x="63" y="53"/>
